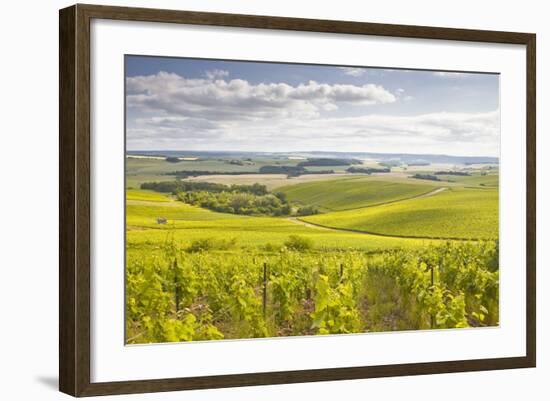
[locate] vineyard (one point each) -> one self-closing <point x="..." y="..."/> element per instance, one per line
<point x="352" y="193"/>
<point x="213" y="258"/>
<point x="207" y="290"/>
<point x="269" y="200"/>
<point x="453" y="213"/>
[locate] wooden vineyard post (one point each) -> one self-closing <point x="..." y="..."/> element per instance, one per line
<point x="432" y="317"/>
<point x="264" y="290"/>
<point x="177" y="285"/>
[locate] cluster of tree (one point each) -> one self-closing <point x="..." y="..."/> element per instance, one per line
<point x="238" y="162"/>
<point x="291" y="171"/>
<point x="171" y="159"/>
<point x="318" y="172"/>
<point x="307" y="210"/>
<point x="197" y="173"/>
<point x="252" y="199"/>
<point x="367" y="170"/>
<point x="238" y="202"/>
<point x="480" y="162"/>
<point x="176" y="187"/>
<point x="463" y="173"/>
<point x="328" y="162"/>
<point x="426" y="177"/>
<point x="390" y="163"/>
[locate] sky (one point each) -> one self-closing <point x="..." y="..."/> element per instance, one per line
<point x="198" y="104"/>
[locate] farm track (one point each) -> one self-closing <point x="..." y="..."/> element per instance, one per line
<point x="431" y="193"/>
<point x="297" y="220"/>
<point x="425" y="195"/>
<point x="350" y="230"/>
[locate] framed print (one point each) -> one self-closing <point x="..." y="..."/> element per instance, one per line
<point x="250" y="200"/>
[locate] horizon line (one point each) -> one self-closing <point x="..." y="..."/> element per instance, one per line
<point x="307" y="151"/>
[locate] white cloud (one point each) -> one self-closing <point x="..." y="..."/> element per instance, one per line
<point x="445" y="74"/>
<point x="444" y="133"/>
<point x="214" y="74"/>
<point x="353" y="71"/>
<point x="401" y="95"/>
<point x="171" y="94"/>
<point x="168" y="111"/>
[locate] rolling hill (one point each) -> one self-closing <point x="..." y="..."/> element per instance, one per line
<point x="352" y="193"/>
<point x="454" y="213"/>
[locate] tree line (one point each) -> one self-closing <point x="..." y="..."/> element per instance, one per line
<point x="328" y="162"/>
<point x="252" y="199"/>
<point x="175" y="187"/>
<point x="367" y="170"/>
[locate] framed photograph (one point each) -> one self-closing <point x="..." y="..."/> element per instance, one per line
<point x="250" y="200"/>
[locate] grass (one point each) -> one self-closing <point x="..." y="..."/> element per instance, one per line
<point x="453" y="213"/>
<point x="186" y="224"/>
<point x="198" y="276"/>
<point x="140" y="170"/>
<point x="134" y="181"/>
<point x="490" y="180"/>
<point x="352" y="193"/>
<point x="272" y="181"/>
<point x="155" y="166"/>
<point x="141" y="195"/>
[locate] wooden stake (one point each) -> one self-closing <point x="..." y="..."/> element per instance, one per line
<point x="432" y="315"/>
<point x="264" y="290"/>
<point x="177" y="285"/>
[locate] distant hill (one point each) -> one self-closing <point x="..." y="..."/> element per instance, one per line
<point x="406" y="158"/>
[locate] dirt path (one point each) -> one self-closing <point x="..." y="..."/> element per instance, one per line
<point x="424" y="195"/>
<point x="296" y="220"/>
<point x="350" y="230"/>
<point x="305" y="223"/>
<point x="432" y="193"/>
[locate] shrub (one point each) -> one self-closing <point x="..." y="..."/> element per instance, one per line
<point x="270" y="247"/>
<point x="299" y="243"/>
<point x="307" y="210"/>
<point x="210" y="244"/>
<point x="201" y="245"/>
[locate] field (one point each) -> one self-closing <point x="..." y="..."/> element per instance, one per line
<point x="489" y="180"/>
<point x="187" y="224"/>
<point x="452" y="213"/>
<point x="350" y="253"/>
<point x="271" y="181"/>
<point x="352" y="193"/>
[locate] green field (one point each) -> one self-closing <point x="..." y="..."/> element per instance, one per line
<point x="489" y="180"/>
<point x="189" y="223"/>
<point x="386" y="252"/>
<point x="452" y="213"/>
<point x="143" y="195"/>
<point x="352" y="193"/>
<point x="140" y="170"/>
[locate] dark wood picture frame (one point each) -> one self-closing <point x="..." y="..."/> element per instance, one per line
<point x="74" y="199"/>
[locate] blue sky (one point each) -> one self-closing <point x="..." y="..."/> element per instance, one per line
<point x="178" y="104"/>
